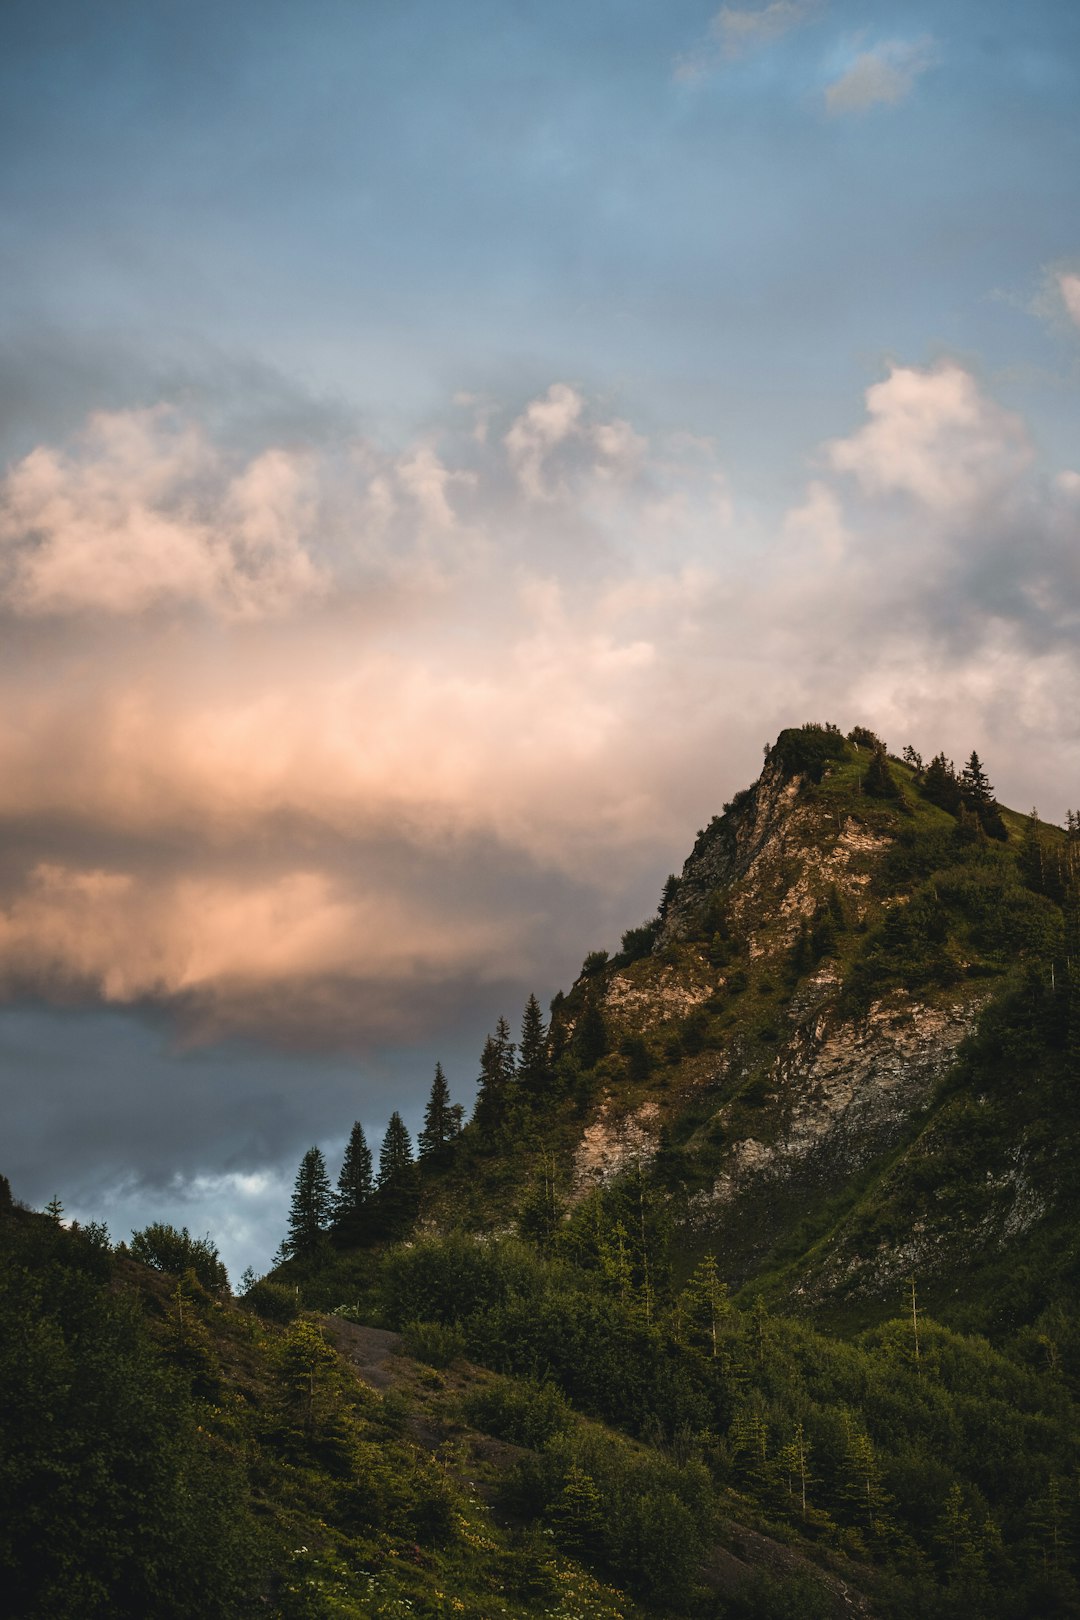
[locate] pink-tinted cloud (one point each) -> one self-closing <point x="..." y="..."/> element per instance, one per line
<point x="510" y="674"/>
<point x="935" y="436"/>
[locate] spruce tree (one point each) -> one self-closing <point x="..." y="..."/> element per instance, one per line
<point x="533" y="1072"/>
<point x="977" y="793"/>
<point x="309" y="1213"/>
<point x="1032" y="857"/>
<point x="396" y="1153"/>
<point x="396" y="1187"/>
<point x="940" y="785"/>
<point x="497" y="1076"/>
<point x="355" y="1185"/>
<point x="590" y="1036"/>
<point x="442" y="1120"/>
<point x="879" y="781"/>
<point x="667" y="898"/>
<point x="705" y="1304"/>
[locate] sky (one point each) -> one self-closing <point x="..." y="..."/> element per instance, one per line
<point x="439" y="446"/>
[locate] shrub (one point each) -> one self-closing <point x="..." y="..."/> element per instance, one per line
<point x="274" y="1302"/>
<point x="519" y="1411"/>
<point x="437" y="1343"/>
<point x="165" y="1249"/>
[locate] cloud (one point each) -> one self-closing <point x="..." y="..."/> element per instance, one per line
<point x="532" y="663"/>
<point x="734" y="31"/>
<point x="555" y="440"/>
<point x="934" y="436"/>
<point x="819" y="522"/>
<point x="541" y="427"/>
<point x="882" y="76"/>
<point x="1069" y="287"/>
<point x="145" y="512"/>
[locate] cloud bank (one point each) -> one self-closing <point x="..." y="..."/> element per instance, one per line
<point x="302" y="744"/>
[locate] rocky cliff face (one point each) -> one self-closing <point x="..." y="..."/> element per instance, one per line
<point x="787" y="1058"/>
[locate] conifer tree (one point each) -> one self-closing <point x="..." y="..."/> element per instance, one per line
<point x="309" y="1213"/>
<point x="879" y="781"/>
<point x="974" y="782"/>
<point x="533" y="1072"/>
<point x="355" y="1185"/>
<point x="862" y="1486"/>
<point x="395" y="1154"/>
<point x="1032" y="858"/>
<point x="396" y="1186"/>
<point x="940" y="785"/>
<point x="977" y="793"/>
<point x="590" y="1036"/>
<point x="956" y="1537"/>
<point x="577" y="1513"/>
<point x="538" y="1217"/>
<point x="442" y="1120"/>
<point x="748" y="1440"/>
<point x="794" y="1461"/>
<point x="705" y="1305"/>
<point x="671" y="889"/>
<point x="497" y="1077"/>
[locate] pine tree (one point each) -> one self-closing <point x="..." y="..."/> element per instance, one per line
<point x="497" y="1078"/>
<point x="705" y="1305"/>
<point x="955" y="1535"/>
<point x="1032" y="858"/>
<point x="748" y="1441"/>
<point x="671" y="889"/>
<point x="538" y="1216"/>
<point x="940" y="785"/>
<point x="396" y="1190"/>
<point x="862" y="1486"/>
<point x="590" y="1036"/>
<point x="395" y="1154"/>
<point x="355" y="1185"/>
<point x="879" y="781"/>
<point x="577" y="1513"/>
<point x="533" y="1071"/>
<point x="442" y="1120"/>
<point x="794" y="1461"/>
<point x="978" y="794"/>
<point x="974" y="782"/>
<point x="309" y="1213"/>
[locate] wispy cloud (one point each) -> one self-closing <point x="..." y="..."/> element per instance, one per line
<point x="882" y="76"/>
<point x="734" y="31"/>
<point x="1069" y="287"/>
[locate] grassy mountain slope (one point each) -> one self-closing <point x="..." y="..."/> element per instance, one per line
<point x="753" y="1294"/>
<point x="837" y="1052"/>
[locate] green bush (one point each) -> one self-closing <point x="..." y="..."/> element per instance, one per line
<point x="520" y="1411"/>
<point x="437" y="1343"/>
<point x="274" y="1302"/>
<point x="165" y="1249"/>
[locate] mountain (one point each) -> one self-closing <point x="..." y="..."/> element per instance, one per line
<point x="855" y="1019"/>
<point x="750" y="1290"/>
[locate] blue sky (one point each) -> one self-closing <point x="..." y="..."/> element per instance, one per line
<point x="407" y="413"/>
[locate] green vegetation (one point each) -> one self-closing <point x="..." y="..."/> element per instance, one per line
<point x="762" y="1355"/>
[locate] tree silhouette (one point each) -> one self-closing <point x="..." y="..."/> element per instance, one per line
<point x="355" y="1186"/>
<point x="312" y="1202"/>
<point x="442" y="1119"/>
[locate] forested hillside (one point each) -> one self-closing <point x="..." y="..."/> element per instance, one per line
<point x="749" y="1288"/>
